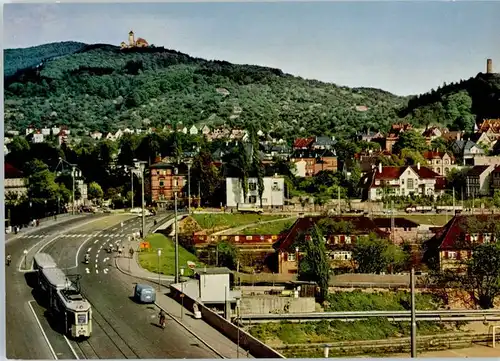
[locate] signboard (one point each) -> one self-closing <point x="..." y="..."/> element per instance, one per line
<point x="144" y="245"/>
<point x="191" y="264"/>
<point x="182" y="295"/>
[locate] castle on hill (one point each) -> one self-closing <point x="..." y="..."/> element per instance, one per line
<point x="132" y="43"/>
<point x="489" y="66"/>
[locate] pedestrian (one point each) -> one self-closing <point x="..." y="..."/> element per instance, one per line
<point x="121" y="224"/>
<point x="120" y="251"/>
<point x="131" y="252"/>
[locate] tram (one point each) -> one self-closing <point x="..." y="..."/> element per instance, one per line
<point x="67" y="303"/>
<point x="42" y="261"/>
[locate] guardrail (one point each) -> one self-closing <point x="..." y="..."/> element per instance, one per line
<point x="401" y="316"/>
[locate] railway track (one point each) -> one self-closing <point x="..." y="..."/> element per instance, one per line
<point x="114" y="344"/>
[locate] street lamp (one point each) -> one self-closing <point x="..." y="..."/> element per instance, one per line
<point x="189" y="186"/>
<point x="75" y="172"/>
<point x="176" y="272"/>
<point x="297" y="258"/>
<point x="141" y="166"/>
<point x="159" y="279"/>
<point x="25" y="258"/>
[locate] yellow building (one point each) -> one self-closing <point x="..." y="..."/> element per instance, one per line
<point x="132" y="43"/>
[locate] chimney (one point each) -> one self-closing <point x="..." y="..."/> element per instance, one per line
<point x="380" y="167"/>
<point x="418" y="166"/>
<point x="489" y="66"/>
<point x="158" y="159"/>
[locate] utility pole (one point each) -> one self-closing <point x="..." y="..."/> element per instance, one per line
<point x="143" y="205"/>
<point x="73" y="176"/>
<point x="189" y="187"/>
<point x="199" y="194"/>
<point x="132" y="183"/>
<point x="453" y="201"/>
<point x="392" y="220"/>
<point x="413" y="315"/>
<point x="338" y="198"/>
<point x="176" y="272"/>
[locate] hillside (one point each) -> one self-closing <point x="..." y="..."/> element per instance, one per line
<point x="103" y="87"/>
<point x="19" y="59"/>
<point x="100" y="87"/>
<point x="457" y="105"/>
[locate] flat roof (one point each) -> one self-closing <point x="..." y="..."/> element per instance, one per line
<point x="212" y="271"/>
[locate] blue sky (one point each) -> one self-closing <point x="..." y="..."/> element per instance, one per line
<point x="402" y="47"/>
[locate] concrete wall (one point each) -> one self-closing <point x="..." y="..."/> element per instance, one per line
<point x="276" y="304"/>
<point x="256" y="348"/>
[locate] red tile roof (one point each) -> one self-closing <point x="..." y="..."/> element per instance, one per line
<point x="361" y="225"/>
<point x="12" y="172"/>
<point x="390" y="173"/>
<point x="452" y="235"/>
<point x="303" y="142"/>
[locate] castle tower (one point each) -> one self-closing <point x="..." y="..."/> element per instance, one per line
<point x="489" y="66"/>
<point x="131" y="38"/>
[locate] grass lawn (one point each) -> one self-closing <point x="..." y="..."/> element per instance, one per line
<point x="270" y="228"/>
<point x="228" y="220"/>
<point x="434" y="219"/>
<point x="148" y="259"/>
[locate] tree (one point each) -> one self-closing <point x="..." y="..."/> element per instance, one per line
<point x="227" y="255"/>
<point x="458" y="111"/>
<point x="95" y="191"/>
<point x="207" y="175"/>
<point x="410" y="139"/>
<point x="314" y="265"/>
<point x="374" y="255"/>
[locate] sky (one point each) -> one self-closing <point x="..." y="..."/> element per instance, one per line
<point x="405" y="47"/>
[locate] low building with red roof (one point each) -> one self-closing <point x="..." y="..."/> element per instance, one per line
<point x="402" y="181"/>
<point x="455" y="240"/>
<point x="303" y="143"/>
<point x="339" y="244"/>
<point x="14" y="181"/>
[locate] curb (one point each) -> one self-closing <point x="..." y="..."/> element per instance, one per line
<point x="191" y="331"/>
<point x="36" y="229"/>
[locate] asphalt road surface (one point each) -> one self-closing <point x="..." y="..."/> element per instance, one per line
<point x="121" y="327"/>
<point x="24" y="338"/>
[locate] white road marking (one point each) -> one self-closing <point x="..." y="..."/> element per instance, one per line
<point x="87" y="270"/>
<point x="71" y="347"/>
<point x="90" y="249"/>
<point x="105" y="271"/>
<point x="96" y="270"/>
<point x="96" y="241"/>
<point x="43" y="332"/>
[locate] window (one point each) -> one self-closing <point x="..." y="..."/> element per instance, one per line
<point x="252" y="186"/>
<point x="410" y="184"/>
<point x="446" y="161"/>
<point x="176" y="182"/>
<point x="252" y="199"/>
<point x="348" y="239"/>
<point x="452" y="255"/>
<point x="291" y="257"/>
<point x="162" y="183"/>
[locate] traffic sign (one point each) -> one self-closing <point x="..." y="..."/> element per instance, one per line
<point x="182" y="295"/>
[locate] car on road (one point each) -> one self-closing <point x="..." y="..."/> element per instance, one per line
<point x="138" y="211"/>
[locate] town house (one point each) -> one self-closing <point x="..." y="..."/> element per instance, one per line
<point x="166" y="180"/>
<point x="313" y="155"/>
<point x="495" y="178"/>
<point x="403" y="181"/>
<point x="393" y="135"/>
<point x="273" y="194"/>
<point x="455" y="240"/>
<point x="401" y="230"/>
<point x="440" y="162"/>
<point x="478" y="180"/>
<point x="339" y="244"/>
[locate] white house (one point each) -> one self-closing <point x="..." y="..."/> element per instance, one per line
<point x="56" y="130"/>
<point x="96" y="135"/>
<point x="205" y="130"/>
<point x="46" y="131"/>
<point x="300" y="168"/>
<point x="478" y="180"/>
<point x="30" y="130"/>
<point x="403" y="181"/>
<point x="273" y="195"/>
<point x="193" y="130"/>
<point x="37" y="137"/>
<point x="118" y="134"/>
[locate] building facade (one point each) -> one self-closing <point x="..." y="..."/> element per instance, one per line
<point x="166" y="180"/>
<point x="272" y="197"/>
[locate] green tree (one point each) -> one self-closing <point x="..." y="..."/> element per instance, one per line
<point x="314" y="265"/>
<point x="95" y="191"/>
<point x="205" y="174"/>
<point x="227" y="254"/>
<point x="458" y="110"/>
<point x="411" y="140"/>
<point x="375" y="255"/>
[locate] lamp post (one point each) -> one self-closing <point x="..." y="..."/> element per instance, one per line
<point x="189" y="186"/>
<point x="141" y="165"/>
<point x="176" y="272"/>
<point x="132" y="186"/>
<point x="297" y="258"/>
<point x="413" y="315"/>
<point x="25" y="258"/>
<point x="159" y="279"/>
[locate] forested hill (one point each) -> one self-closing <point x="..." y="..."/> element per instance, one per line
<point x="102" y="87"/>
<point x="19" y="59"/>
<point x="457" y="105"/>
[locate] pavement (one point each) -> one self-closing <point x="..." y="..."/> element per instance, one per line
<point x="201" y="330"/>
<point x="474" y="351"/>
<point x="121" y="327"/>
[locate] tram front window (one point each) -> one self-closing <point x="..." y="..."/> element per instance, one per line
<point x="81" y="318"/>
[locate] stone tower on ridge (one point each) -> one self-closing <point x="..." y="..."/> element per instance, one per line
<point x="131" y="39"/>
<point x="489" y="66"/>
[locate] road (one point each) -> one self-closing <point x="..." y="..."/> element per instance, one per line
<point x="121" y="328"/>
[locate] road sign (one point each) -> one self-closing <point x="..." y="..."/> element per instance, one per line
<point x="182" y="295"/>
<point x="191" y="264"/>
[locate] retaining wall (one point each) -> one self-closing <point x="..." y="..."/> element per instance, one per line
<point x="276" y="304"/>
<point x="256" y="348"/>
